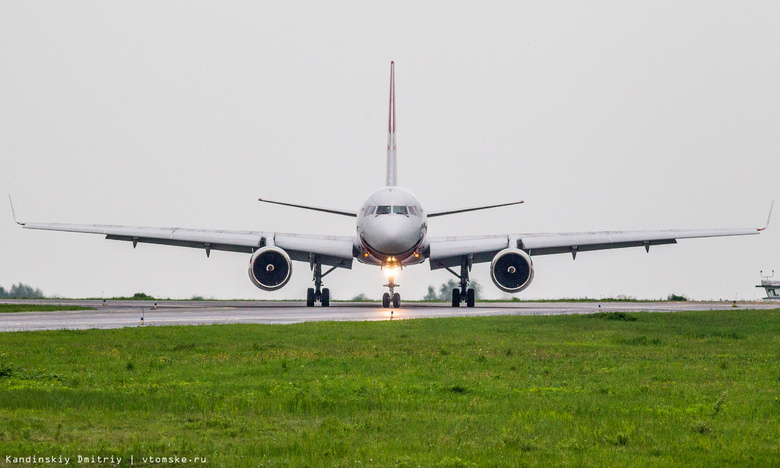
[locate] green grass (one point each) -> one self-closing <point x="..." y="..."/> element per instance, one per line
<point x="5" y="308"/>
<point x="693" y="388"/>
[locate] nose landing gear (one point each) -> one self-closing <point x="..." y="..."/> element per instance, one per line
<point x="391" y="296"/>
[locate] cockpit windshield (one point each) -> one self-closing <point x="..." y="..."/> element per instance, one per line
<point x="394" y="209"/>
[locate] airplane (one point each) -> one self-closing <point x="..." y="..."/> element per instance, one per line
<point x="392" y="234"/>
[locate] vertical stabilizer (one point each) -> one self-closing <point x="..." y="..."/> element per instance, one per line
<point x="392" y="170"/>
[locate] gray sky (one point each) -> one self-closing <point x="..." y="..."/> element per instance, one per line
<point x="600" y="115"/>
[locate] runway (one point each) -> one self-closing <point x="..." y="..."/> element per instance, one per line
<point x="121" y="314"/>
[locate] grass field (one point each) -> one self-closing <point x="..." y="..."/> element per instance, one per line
<point x="698" y="388"/>
<point x="6" y="308"/>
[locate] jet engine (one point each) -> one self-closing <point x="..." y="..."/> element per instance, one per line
<point x="270" y="268"/>
<point x="512" y="270"/>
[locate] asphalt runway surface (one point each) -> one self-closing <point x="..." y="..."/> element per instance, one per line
<point x="120" y="314"/>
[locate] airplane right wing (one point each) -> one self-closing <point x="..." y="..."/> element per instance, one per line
<point x="330" y="250"/>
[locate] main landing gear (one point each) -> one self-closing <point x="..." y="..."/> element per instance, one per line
<point x="318" y="293"/>
<point x="464" y="294"/>
<point x="392" y="296"/>
<point x="468" y="297"/>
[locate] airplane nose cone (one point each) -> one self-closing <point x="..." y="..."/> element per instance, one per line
<point x="392" y="234"/>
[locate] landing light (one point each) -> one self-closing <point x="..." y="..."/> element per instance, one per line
<point x="392" y="271"/>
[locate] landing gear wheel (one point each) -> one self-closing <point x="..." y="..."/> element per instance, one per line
<point x="310" y="297"/>
<point x="396" y="300"/>
<point x="470" y="297"/>
<point x="325" y="299"/>
<point x="456" y="297"/>
<point x="386" y="300"/>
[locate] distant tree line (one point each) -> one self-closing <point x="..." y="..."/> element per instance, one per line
<point x="675" y="297"/>
<point x="445" y="291"/>
<point x="21" y="291"/>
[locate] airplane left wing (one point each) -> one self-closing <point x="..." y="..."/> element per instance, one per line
<point x="449" y="251"/>
<point x="330" y="250"/>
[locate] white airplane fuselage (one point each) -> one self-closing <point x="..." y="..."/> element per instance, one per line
<point x="391" y="228"/>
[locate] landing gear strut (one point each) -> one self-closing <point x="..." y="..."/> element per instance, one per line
<point x="318" y="293"/>
<point x="464" y="294"/>
<point x="392" y="296"/>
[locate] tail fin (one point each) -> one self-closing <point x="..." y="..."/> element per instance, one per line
<point x="392" y="170"/>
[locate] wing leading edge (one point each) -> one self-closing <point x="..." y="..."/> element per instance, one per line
<point x="448" y="252"/>
<point x="329" y="250"/>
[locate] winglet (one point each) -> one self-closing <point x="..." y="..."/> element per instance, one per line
<point x="13" y="212"/>
<point x="768" y="217"/>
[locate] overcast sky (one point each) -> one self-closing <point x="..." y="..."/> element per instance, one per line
<point x="600" y="115"/>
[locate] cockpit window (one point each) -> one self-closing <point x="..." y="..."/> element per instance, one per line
<point x="395" y="209"/>
<point x="412" y="210"/>
<point x="370" y="210"/>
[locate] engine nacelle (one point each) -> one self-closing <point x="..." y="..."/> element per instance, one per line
<point x="270" y="268"/>
<point x="512" y="270"/>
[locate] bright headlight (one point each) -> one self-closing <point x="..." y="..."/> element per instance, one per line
<point x="392" y="271"/>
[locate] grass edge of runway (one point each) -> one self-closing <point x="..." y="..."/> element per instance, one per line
<point x="684" y="387"/>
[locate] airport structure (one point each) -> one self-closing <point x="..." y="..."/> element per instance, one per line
<point x="772" y="287"/>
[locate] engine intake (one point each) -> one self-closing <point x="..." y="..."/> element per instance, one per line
<point x="270" y="268"/>
<point x="512" y="270"/>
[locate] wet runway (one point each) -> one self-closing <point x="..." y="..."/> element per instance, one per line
<point x="120" y="314"/>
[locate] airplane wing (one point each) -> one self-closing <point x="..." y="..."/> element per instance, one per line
<point x="331" y="250"/>
<point x="449" y="251"/>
